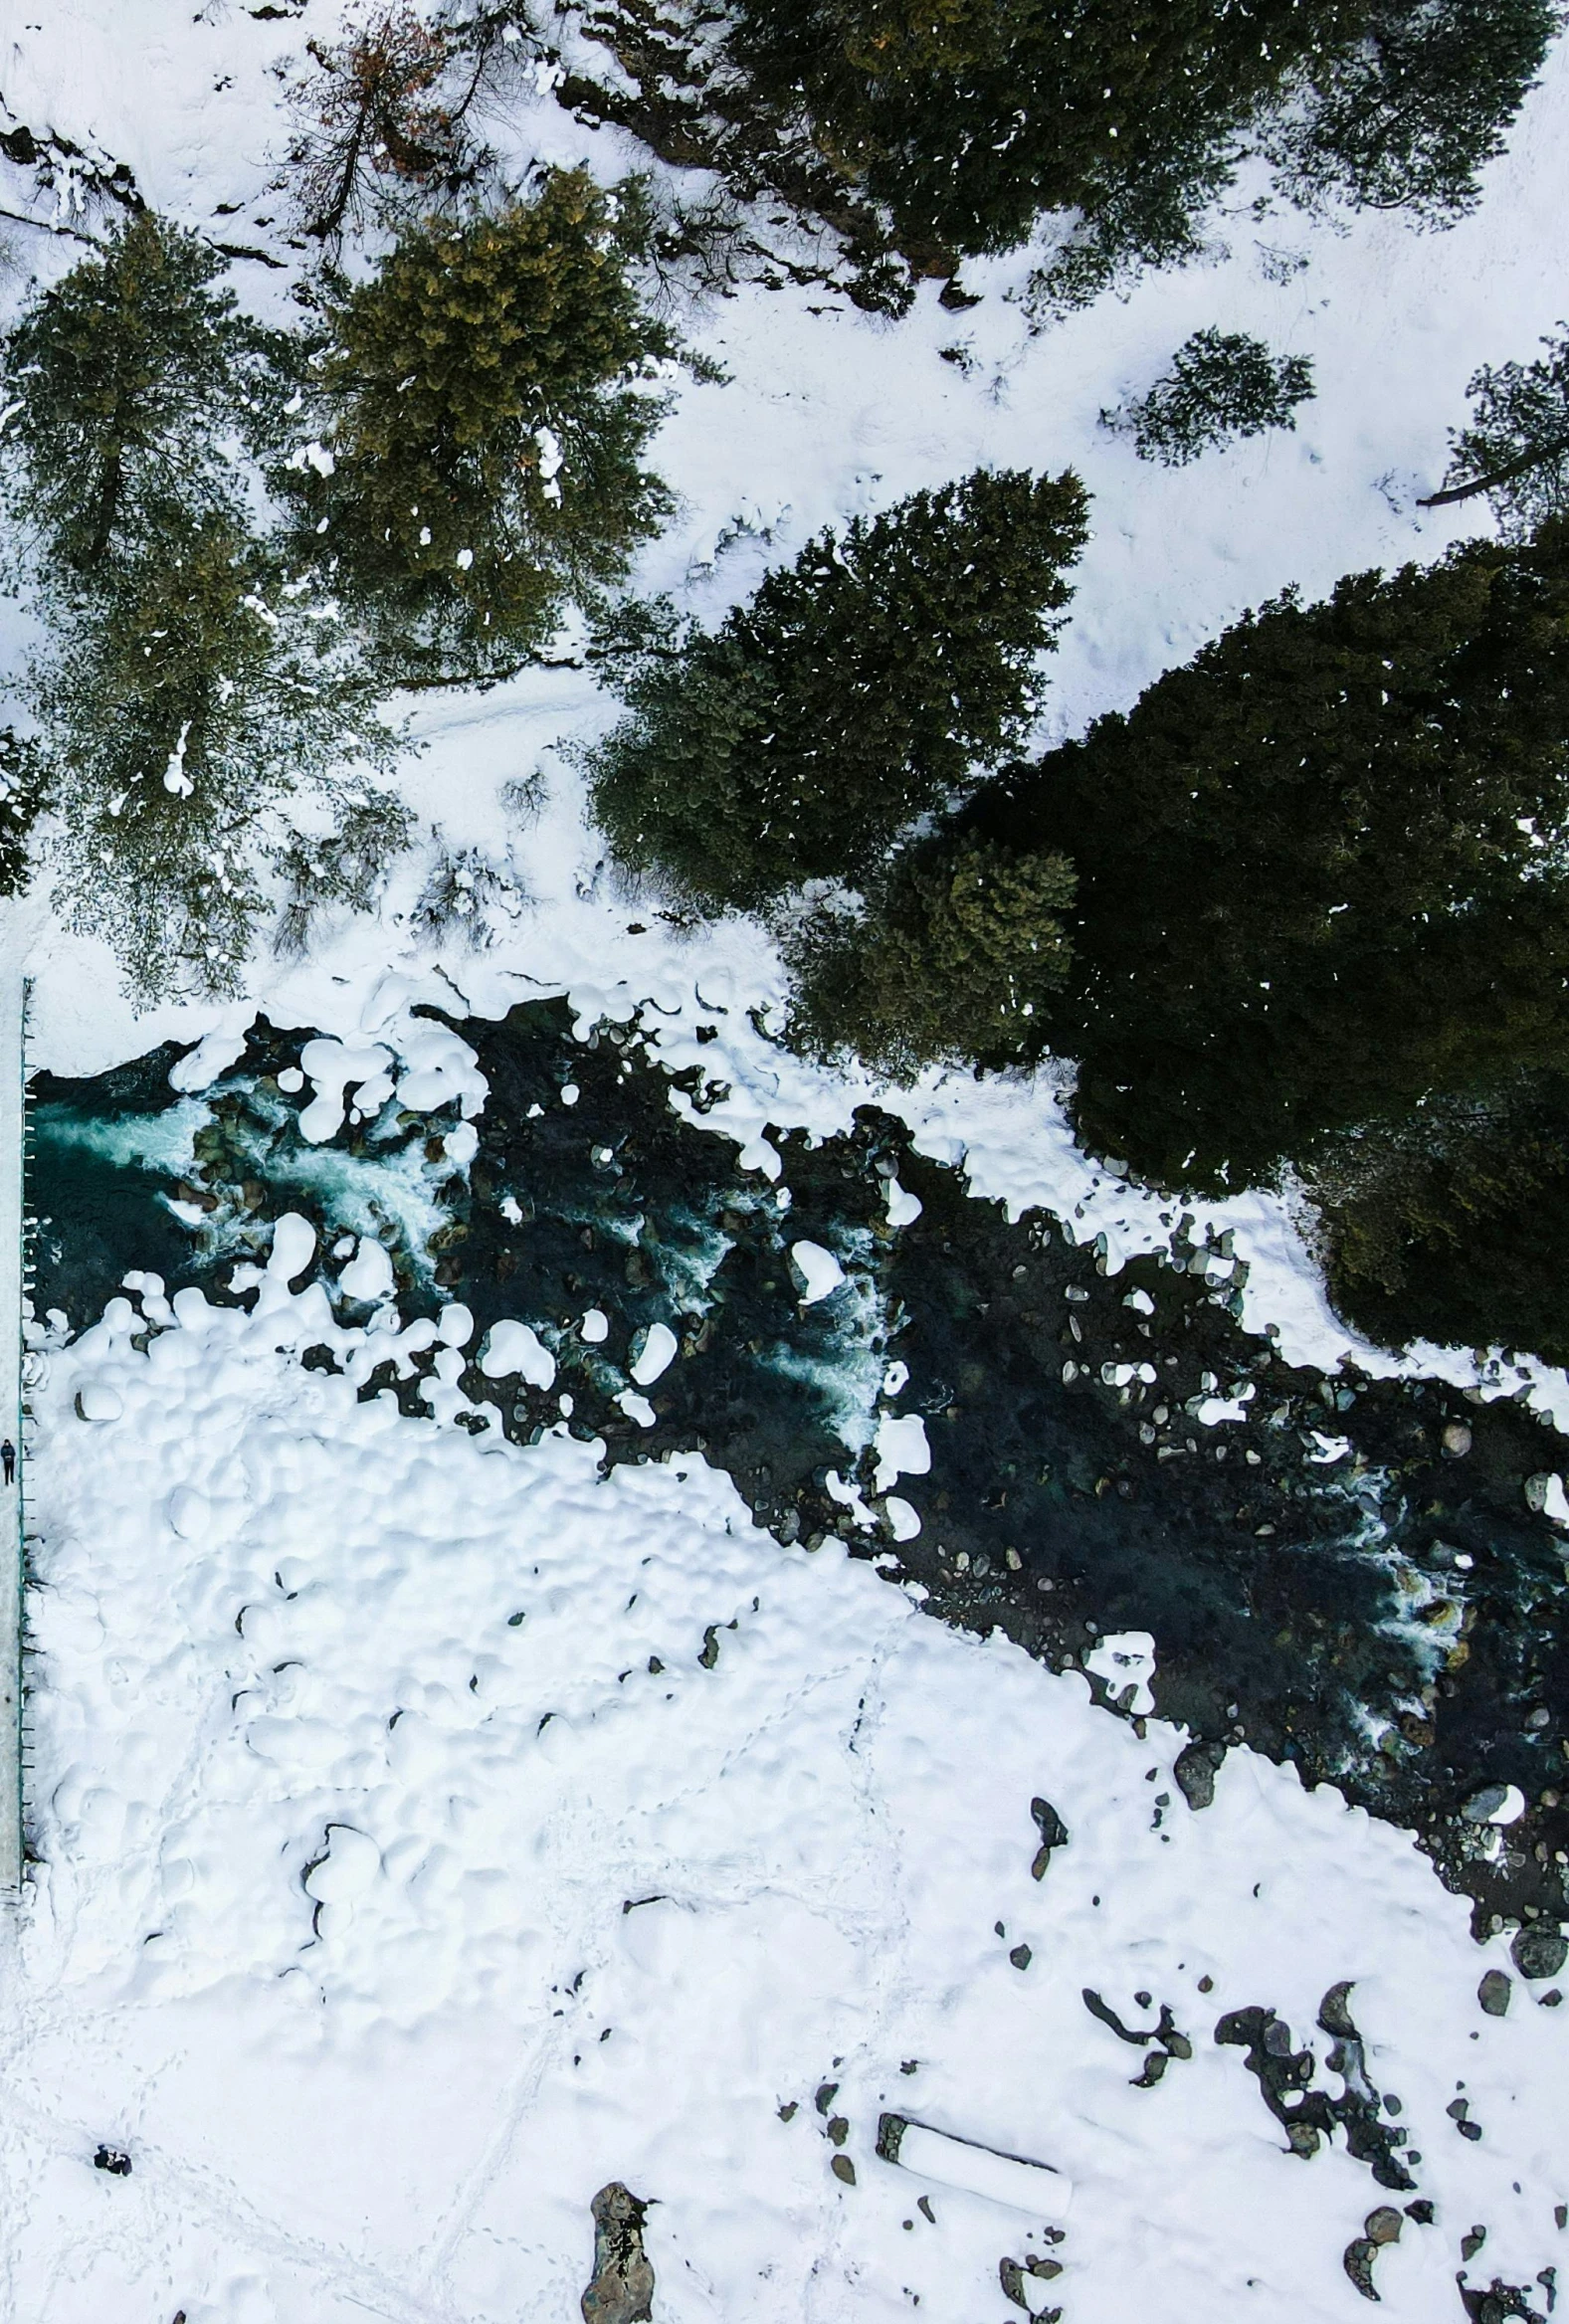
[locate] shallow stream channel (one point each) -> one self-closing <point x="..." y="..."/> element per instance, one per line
<point x="1344" y="1572"/>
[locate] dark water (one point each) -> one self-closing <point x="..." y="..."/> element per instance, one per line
<point x="1326" y="1614"/>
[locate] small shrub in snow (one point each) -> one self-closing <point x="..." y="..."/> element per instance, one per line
<point x="376" y="114"/>
<point x="1221" y="384"/>
<point x="960" y="949"/>
<point x="465" y="896"/>
<point x="524" y="796"/>
<point x="345" y="866"/>
<point x="856" y="689"/>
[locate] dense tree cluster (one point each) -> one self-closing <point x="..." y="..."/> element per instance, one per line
<point x="1451" y="1223"/>
<point x="858" y="688"/>
<point x="940" y="133"/>
<point x="954" y="962"/>
<point x="185" y="688"/>
<point x="1317" y="866"/>
<point x="224" y="591"/>
<point x="1305" y="902"/>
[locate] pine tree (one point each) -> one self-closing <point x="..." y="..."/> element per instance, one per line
<point x="185" y="689"/>
<point x="1517" y="449"/>
<point x="1221" y="384"/>
<point x="1406" y="115"/>
<point x="951" y="964"/>
<point x="1318" y="867"/>
<point x="127" y="382"/>
<point x="970" y="119"/>
<point x="938" y="131"/>
<point x="24" y="795"/>
<point x="183" y="708"/>
<point x="858" y="688"/>
<point x="482" y="410"/>
<point x="1452" y="1223"/>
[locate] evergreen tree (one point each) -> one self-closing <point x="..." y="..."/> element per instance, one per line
<point x="1517" y="449"/>
<point x="940" y="131"/>
<point x="482" y="411"/>
<point x="857" y="690"/>
<point x="1452" y="1223"/>
<point x="969" y="120"/>
<point x="1406" y="115"/>
<point x="182" y="708"/>
<point x="185" y="689"/>
<point x="127" y="382"/>
<point x="952" y="963"/>
<point x="1221" y="384"/>
<point x="1320" y="867"/>
<point x="24" y="794"/>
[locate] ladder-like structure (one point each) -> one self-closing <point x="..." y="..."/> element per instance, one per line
<point x="15" y="1282"/>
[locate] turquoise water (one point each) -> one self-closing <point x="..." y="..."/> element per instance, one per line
<point x="1317" y="1612"/>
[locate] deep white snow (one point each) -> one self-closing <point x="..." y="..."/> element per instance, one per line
<point x="407" y="1874"/>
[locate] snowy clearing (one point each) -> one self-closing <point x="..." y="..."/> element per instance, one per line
<point x="413" y="1867"/>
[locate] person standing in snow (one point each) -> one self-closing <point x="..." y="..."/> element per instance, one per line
<point x="8" y="1460"/>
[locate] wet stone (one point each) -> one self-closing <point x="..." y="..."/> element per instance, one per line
<point x="1195" y="1768"/>
<point x="1494" y="1992"/>
<point x="1054" y="1834"/>
<point x="1358" y="2260"/>
<point x="1539" y="1952"/>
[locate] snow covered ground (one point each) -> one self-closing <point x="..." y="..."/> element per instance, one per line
<point x="414" y="1866"/>
<point x="329" y="1933"/>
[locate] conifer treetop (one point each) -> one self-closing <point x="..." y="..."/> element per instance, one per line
<point x="126" y="376"/>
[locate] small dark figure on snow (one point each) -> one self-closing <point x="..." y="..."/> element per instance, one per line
<point x="8" y="1460"/>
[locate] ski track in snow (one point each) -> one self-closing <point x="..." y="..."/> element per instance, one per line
<point x="404" y="2112"/>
